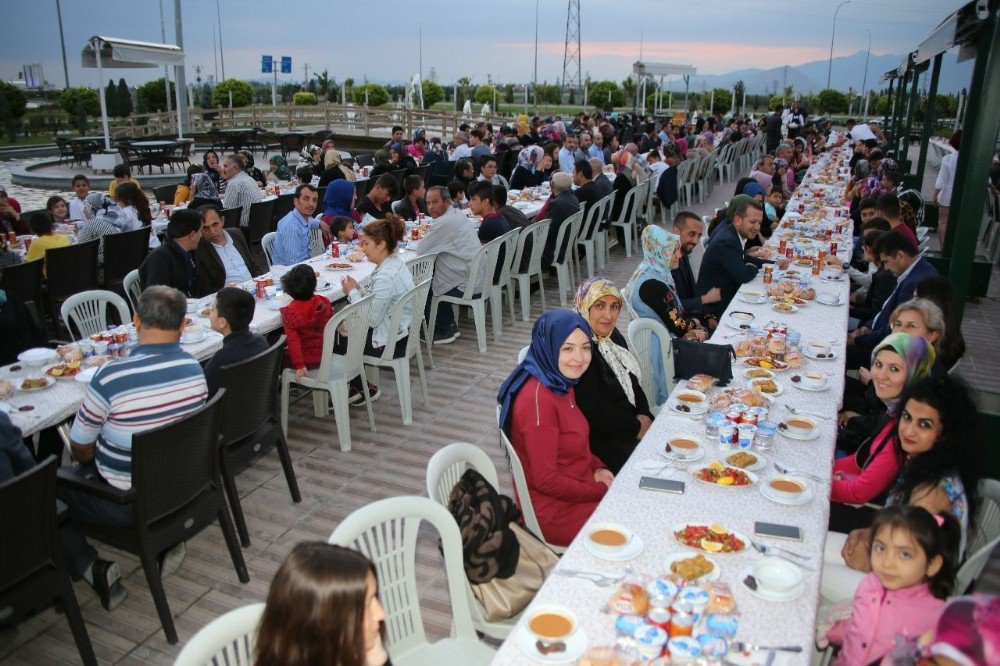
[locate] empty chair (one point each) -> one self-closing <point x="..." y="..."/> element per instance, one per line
<point x="228" y="639"/>
<point x="589" y="229"/>
<point x="505" y="261"/>
<point x="123" y="252"/>
<point x="249" y="423"/>
<point x="259" y="222"/>
<point x="231" y="217"/>
<point x="176" y="493"/>
<point x="481" y="271"/>
<point x="330" y="382"/>
<point x="651" y="344"/>
<point x="33" y="575"/>
<point x="400" y="367"/>
<point x="568" y="230"/>
<point x="528" y="255"/>
<point x="386" y="533"/>
<point x="422" y="268"/>
<point x="70" y="270"/>
<point x="87" y="312"/>
<point x="165" y="193"/>
<point x="984" y="537"/>
<point x="25" y="280"/>
<point x="132" y="289"/>
<point x="267" y="244"/>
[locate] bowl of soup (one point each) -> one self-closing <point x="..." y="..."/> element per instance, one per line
<point x="786" y="487"/>
<point x="695" y="401"/>
<point x="684" y="446"/>
<point x="551" y="623"/>
<point x="818" y="348"/>
<point x="609" y="538"/>
<point x="801" y="426"/>
<point x="813" y="380"/>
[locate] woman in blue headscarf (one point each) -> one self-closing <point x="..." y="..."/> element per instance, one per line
<point x="339" y="200"/>
<point x="538" y="412"/>
<point x="756" y="191"/>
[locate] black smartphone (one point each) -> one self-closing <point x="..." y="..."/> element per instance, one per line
<point x="663" y="485"/>
<point x="777" y="531"/>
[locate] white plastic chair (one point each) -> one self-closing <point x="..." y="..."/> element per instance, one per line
<point x="537" y="233"/>
<point x="267" y="244"/>
<point x="604" y="240"/>
<point x="88" y="311"/>
<point x="627" y="220"/>
<point x="228" y="640"/>
<point x="386" y="533"/>
<point x="587" y="238"/>
<point x="444" y="469"/>
<point x="640" y="333"/>
<point x="400" y="367"/>
<point x="422" y="268"/>
<point x="509" y="245"/>
<point x="985" y="535"/>
<point x="316" y="246"/>
<point x="481" y="270"/>
<point x="133" y="290"/>
<point x="569" y="230"/>
<point x="335" y="372"/>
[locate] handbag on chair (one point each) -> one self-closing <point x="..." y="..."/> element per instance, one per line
<point x="699" y="358"/>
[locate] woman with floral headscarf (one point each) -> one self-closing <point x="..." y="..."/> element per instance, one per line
<point x="279" y="168"/>
<point x="524" y="174"/>
<point x="608" y="393"/>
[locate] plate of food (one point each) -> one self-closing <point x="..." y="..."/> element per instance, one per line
<point x="35" y="383"/>
<point x="766" y="385"/>
<point x="746" y="460"/>
<point x="758" y="373"/>
<point x="339" y="266"/>
<point x="65" y="370"/>
<point x="717" y="473"/>
<point x="766" y="363"/>
<point x="692" y="567"/>
<point x="785" y="308"/>
<point x="709" y="537"/>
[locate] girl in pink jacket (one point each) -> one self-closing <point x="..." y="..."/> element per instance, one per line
<point x="913" y="570"/>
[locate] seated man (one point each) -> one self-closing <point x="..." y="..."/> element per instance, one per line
<point x="666" y="187"/>
<point x="397" y="137"/>
<point x="293" y="244"/>
<point x="81" y="187"/>
<point x="690" y="228"/>
<point x="158" y="383"/>
<point x="241" y="188"/>
<point x="453" y="238"/>
<point x="561" y="206"/>
<point x="488" y="172"/>
<point x="412" y="202"/>
<point x="479" y="149"/>
<point x="222" y="256"/>
<point x="122" y="174"/>
<point x="231" y="316"/>
<point x="462" y="149"/>
<point x="764" y="173"/>
<point x="481" y="203"/>
<point x="172" y="264"/>
<point x="376" y="204"/>
<point x="514" y="216"/>
<point x="587" y="191"/>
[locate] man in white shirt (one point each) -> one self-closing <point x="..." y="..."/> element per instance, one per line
<point x="241" y="189"/>
<point x="453" y="238"/>
<point x="222" y="256"/>
<point x="81" y="187"/>
<point x="567" y="154"/>
<point x="462" y="149"/>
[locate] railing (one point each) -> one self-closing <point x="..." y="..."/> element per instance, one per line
<point x="359" y="120"/>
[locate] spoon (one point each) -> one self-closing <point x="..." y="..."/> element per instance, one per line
<point x="796" y="472"/>
<point x="743" y="646"/>
<point x="793" y="410"/>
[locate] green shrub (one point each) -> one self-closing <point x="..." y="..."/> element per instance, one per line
<point x="242" y="93"/>
<point x="377" y="95"/>
<point x="304" y="99"/>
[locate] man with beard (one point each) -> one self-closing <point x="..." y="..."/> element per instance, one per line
<point x="690" y="228"/>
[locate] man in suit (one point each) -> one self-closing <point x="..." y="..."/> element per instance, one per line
<point x="689" y="227"/>
<point x="231" y="315"/>
<point x="222" y="256"/>
<point x="727" y="264"/>
<point x="901" y="258"/>
<point x="172" y="264"/>
<point x="561" y="206"/>
<point x="587" y="191"/>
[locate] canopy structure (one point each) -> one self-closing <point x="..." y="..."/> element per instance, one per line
<point x="661" y="69"/>
<point x="101" y="52"/>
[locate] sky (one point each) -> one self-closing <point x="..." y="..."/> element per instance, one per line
<point x="378" y="39"/>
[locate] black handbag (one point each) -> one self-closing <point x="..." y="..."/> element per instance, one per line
<point x="699" y="358"/>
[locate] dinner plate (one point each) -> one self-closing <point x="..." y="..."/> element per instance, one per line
<point x="276" y="304"/>
<point x="85" y="376"/>
<point x="680" y="526"/>
<point x="629" y="552"/>
<point x="49" y="382"/>
<point x="753" y="478"/>
<point x="766" y="595"/>
<point x="576" y="645"/>
<point x="804" y="498"/>
<point x="712" y="575"/>
<point x="767" y="395"/>
<point x="694" y="415"/>
<point x="770" y="374"/>
<point x="187" y="339"/>
<point x="759" y="465"/>
<point x="831" y="278"/>
<point x="345" y="269"/>
<point x="839" y="301"/>
<point x="799" y="438"/>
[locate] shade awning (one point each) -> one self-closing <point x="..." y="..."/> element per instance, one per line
<point x="127" y="53"/>
<point x="662" y="69"/>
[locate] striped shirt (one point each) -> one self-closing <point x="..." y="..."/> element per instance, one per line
<point x="155" y="385"/>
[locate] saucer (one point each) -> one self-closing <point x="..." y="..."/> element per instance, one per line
<point x="694" y="457"/>
<point x="800" y="438"/>
<point x="631" y="551"/>
<point x="767" y="595"/>
<point x="692" y="414"/>
<point x="839" y="301"/>
<point x="832" y="356"/>
<point x="576" y="645"/>
<point x="757" y="380"/>
<point x="190" y="339"/>
<point x="818" y="389"/>
<point x="84" y="376"/>
<point x="711" y="576"/>
<point x="750" y="299"/>
<point x="804" y="498"/>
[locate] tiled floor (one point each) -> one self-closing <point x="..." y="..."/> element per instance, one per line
<point x="389" y="462"/>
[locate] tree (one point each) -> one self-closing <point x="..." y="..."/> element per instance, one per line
<point x="323" y="83"/>
<point x="377" y="95"/>
<point x="73" y="100"/>
<point x="15" y="99"/>
<point x="304" y="99"/>
<point x="433" y="93"/>
<point x="775" y="100"/>
<point x="462" y="89"/>
<point x="739" y="90"/>
<point x="152" y="95"/>
<point x="485" y="94"/>
<point x="123" y="100"/>
<point x="241" y="90"/>
<point x="628" y="88"/>
<point x="549" y="94"/>
<point x="723" y="99"/>
<point x="508" y="93"/>
<point x="832" y="101"/>
<point x="606" y="95"/>
<point x="111" y="98"/>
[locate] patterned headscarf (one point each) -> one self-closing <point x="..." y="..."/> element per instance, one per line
<point x="280" y="167"/>
<point x="619" y="358"/>
<point x="917" y="354"/>
<point x="658" y="246"/>
<point x="529" y="157"/>
<point x="203" y="187"/>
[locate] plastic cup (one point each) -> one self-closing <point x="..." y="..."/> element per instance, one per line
<point x="727" y="434"/>
<point x="746" y="435"/>
<point x="764" y="440"/>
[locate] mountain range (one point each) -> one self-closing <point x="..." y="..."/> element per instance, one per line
<point x="847" y="72"/>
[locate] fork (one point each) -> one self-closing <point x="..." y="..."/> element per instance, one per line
<point x="597" y="579"/>
<point x="794" y="410"/>
<point x="795" y="472"/>
<point x="743" y="646"/>
<point x="774" y="551"/>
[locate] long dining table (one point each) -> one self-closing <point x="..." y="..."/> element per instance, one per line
<point x="654" y="517"/>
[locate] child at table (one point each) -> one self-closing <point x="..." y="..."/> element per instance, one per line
<point x="913" y="557"/>
<point x="304" y="319"/>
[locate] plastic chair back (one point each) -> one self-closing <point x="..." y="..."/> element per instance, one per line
<point x="985" y="535"/>
<point x="569" y="229"/>
<point x="641" y="332"/>
<point x="356" y="317"/>
<point x="283" y="205"/>
<point x="521" y="490"/>
<point x="259" y="221"/>
<point x="165" y="193"/>
<point x="133" y="289"/>
<point x="30" y="530"/>
<point x="386" y="533"/>
<point x="422" y="268"/>
<point x="508" y="250"/>
<point x="535" y="234"/>
<point x="414" y="300"/>
<point x="251" y="393"/>
<point x="25" y="280"/>
<point x="227" y="640"/>
<point x="481" y="270"/>
<point x="316" y="246"/>
<point x="124" y="252"/>
<point x="267" y="244"/>
<point x="447" y="466"/>
<point x="88" y="311"/>
<point x="231" y="217"/>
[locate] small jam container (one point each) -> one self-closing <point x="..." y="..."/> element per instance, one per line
<point x="713" y="646"/>
<point x="626" y="625"/>
<point x="663" y="587"/>
<point x="696" y="597"/>
<point x="722" y="624"/>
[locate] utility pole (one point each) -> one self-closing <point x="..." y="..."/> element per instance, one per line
<point x="62" y="42"/>
<point x="179" y="77"/>
<point x="306" y="81"/>
<point x="166" y="69"/>
<point x="572" y="77"/>
<point x="534" y="81"/>
<point x="215" y="53"/>
<point x="222" y="55"/>
<point x="864" y="81"/>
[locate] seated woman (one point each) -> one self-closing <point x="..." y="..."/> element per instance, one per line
<point x="339" y="201"/>
<point x="133" y="206"/>
<point x="550" y="434"/>
<point x="381" y="163"/>
<point x="43" y="226"/>
<point x="57" y="208"/>
<point x="608" y="393"/>
<point x="102" y="219"/>
<point x="213" y="168"/>
<point x="204" y="191"/>
<point x="252" y="171"/>
<point x="525" y="173"/>
<point x="940" y="291"/>
<point x="938" y="442"/>
<point x="322" y="608"/>
<point x="898" y="362"/>
<point x="185" y="191"/>
<point x="400" y="158"/>
<point x="388" y="283"/>
<point x="277" y="169"/>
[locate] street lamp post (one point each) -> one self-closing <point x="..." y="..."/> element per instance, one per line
<point x="864" y="81"/>
<point x="829" y="69"/>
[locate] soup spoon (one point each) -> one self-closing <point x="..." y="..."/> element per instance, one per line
<point x="794" y="410"/>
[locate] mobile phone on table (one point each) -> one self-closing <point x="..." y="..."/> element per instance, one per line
<point x="777" y="531"/>
<point x="663" y="485"/>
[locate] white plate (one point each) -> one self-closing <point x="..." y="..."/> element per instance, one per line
<point x="767" y="395"/>
<point x="694" y="415"/>
<point x="49" y="382"/>
<point x="629" y="552"/>
<point x="698" y="455"/>
<point x="187" y="339"/>
<point x="746" y="298"/>
<point x="680" y="526"/>
<point x="791" y="595"/>
<point x="712" y="575"/>
<point x="800" y="438"/>
<point x="826" y="277"/>
<point x="575" y="647"/>
<point x="804" y="498"/>
<point x="338" y="270"/>
<point x="802" y="387"/>
<point x="794" y="309"/>
<point x="277" y="303"/>
<point x="84" y="376"/>
<point x="839" y="301"/>
<point x="751" y="475"/>
<point x="759" y="465"/>
<point x="832" y="356"/>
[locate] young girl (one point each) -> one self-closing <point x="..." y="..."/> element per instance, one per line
<point x="58" y="208"/>
<point x="913" y="571"/>
<point x="304" y="319"/>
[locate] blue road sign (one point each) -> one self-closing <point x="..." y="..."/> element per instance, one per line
<point x="286" y="64"/>
<point x="266" y="64"/>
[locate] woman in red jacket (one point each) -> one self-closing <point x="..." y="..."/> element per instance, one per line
<point x="304" y="319"/>
<point x="549" y="432"/>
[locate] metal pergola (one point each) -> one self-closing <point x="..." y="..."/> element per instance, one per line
<point x="975" y="31"/>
